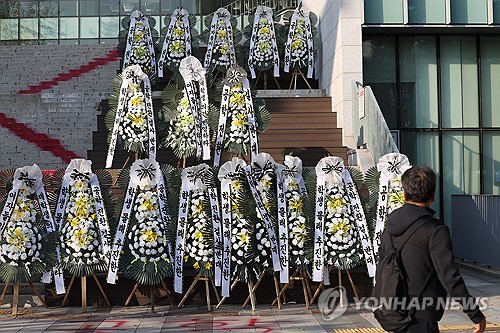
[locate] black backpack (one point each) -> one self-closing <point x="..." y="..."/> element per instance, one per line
<point x="391" y="283"/>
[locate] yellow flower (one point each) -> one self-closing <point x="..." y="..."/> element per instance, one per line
<point x="222" y="33"/>
<point x="208" y="265"/>
<point x="296" y="204"/>
<point x="149" y="235"/>
<point x="136" y="119"/>
<point x="147" y="205"/>
<point x="297" y="44"/>
<point x="136" y="101"/>
<point x="198" y="235"/>
<point x="237" y="98"/>
<point x="17" y="238"/>
<point x="335" y="203"/>
<point x="73" y="221"/>
<point x="264" y="30"/>
<point x="79" y="185"/>
<point x="267" y="183"/>
<point x="341" y="226"/>
<point x="245" y="238"/>
<point x="397" y="198"/>
<point x="267" y="205"/>
<point x="81" y="237"/>
<point x="179" y="32"/>
<point x="224" y="49"/>
<point x="240" y="121"/>
<point x="237" y="185"/>
<point x="186" y="258"/>
<point x="177" y="47"/>
<point x="196" y="265"/>
<point x="199" y="208"/>
<point x="264" y="46"/>
<point x="138" y="36"/>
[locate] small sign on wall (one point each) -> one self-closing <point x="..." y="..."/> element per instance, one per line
<point x="361" y="102"/>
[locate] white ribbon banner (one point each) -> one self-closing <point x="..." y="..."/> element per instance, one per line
<point x="165" y="216"/>
<point x="192" y="71"/>
<point x="222" y="14"/>
<point x="137" y="16"/>
<point x="192" y="179"/>
<point x="49" y="225"/>
<point x="217" y="232"/>
<point x="263" y="12"/>
<point x="250" y="173"/>
<point x="181" y="15"/>
<point x="102" y="217"/>
<point x="133" y="75"/>
<point x="282" y="224"/>
<point x="391" y="167"/>
<point x="8" y="208"/>
<point x="361" y="225"/>
<point x="119" y="240"/>
<point x="228" y="173"/>
<point x="302" y="14"/>
<point x="319" y="224"/>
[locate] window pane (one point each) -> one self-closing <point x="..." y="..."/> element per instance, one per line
<point x="490" y="80"/>
<point x="128" y="6"/>
<point x="9" y="9"/>
<point x="28" y="9"/>
<point x="379" y="68"/>
<point x="418" y="82"/>
<point x="461" y="170"/>
<point x="89" y="27"/>
<point x="468" y="11"/>
<point x="423" y="148"/>
<point x="496" y="11"/>
<point x="110" y="7"/>
<point x="491" y="162"/>
<point x="383" y="11"/>
<point x="459" y="82"/>
<point x="68" y="8"/>
<point x="8" y="29"/>
<point x="110" y="27"/>
<point x="168" y="6"/>
<point x="49" y="8"/>
<point x="68" y="27"/>
<point x="89" y="7"/>
<point x="48" y="28"/>
<point x="150" y="7"/>
<point x="424" y="11"/>
<point x="29" y="28"/>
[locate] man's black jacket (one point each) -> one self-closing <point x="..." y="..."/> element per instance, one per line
<point x="430" y="246"/>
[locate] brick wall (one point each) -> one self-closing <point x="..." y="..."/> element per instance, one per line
<point x="66" y="112"/>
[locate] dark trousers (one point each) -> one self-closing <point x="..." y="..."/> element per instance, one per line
<point x="422" y="326"/>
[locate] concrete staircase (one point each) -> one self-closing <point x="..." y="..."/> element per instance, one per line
<point x="303" y="126"/>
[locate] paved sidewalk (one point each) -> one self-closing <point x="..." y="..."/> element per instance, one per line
<point x="231" y="318"/>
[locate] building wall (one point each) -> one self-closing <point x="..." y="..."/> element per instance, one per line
<point x="67" y="112"/>
<point x="340" y="57"/>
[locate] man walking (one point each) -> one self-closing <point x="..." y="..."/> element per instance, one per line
<point x="427" y="255"/>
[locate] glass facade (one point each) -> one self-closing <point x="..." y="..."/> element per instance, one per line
<point x="430" y="12"/>
<point x="99" y="21"/>
<point x="440" y="92"/>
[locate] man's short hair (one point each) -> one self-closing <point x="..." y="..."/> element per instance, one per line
<point x="419" y="183"/>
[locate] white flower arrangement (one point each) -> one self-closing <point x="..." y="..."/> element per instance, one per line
<point x="133" y="128"/>
<point x="79" y="236"/>
<point x="263" y="56"/>
<point x="176" y="46"/>
<point x="221" y="49"/>
<point x="342" y="247"/>
<point x="181" y="137"/>
<point x="239" y="131"/>
<point x="148" y="241"/>
<point x="263" y="243"/>
<point x="298" y="230"/>
<point x="396" y="197"/>
<point x="139" y="51"/>
<point x="298" y="46"/>
<point x="21" y="239"/>
<point x="199" y="238"/>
